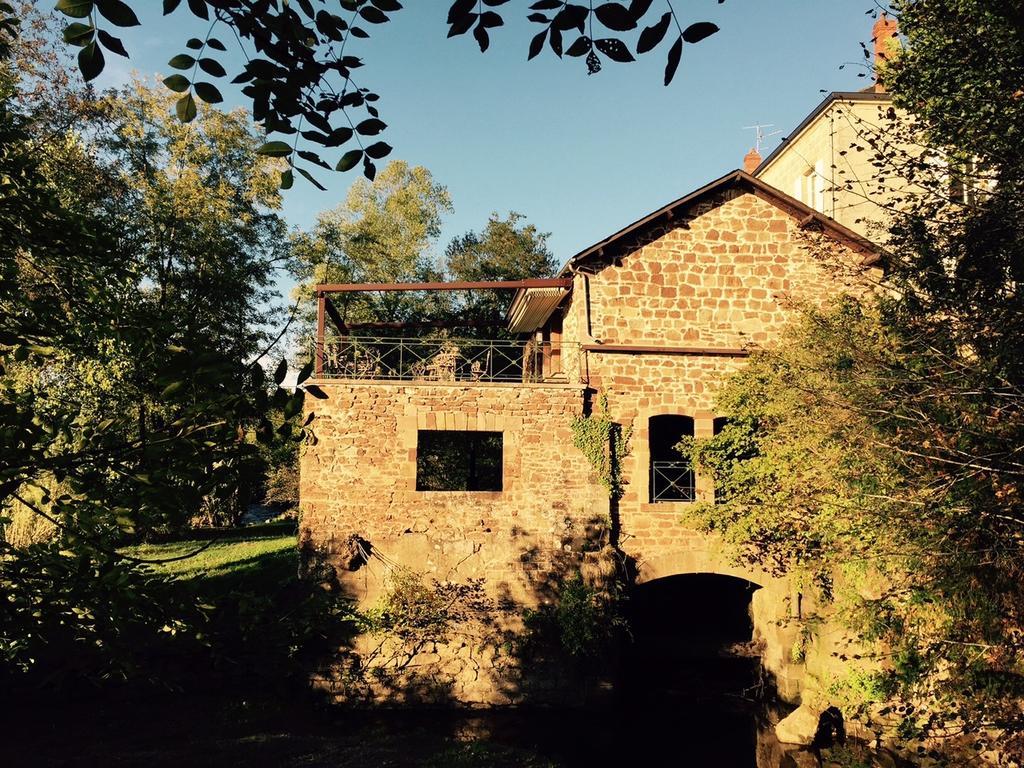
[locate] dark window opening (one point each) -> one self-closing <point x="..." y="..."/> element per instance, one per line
<point x="671" y="475"/>
<point x="719" y="424"/>
<point x="449" y="460"/>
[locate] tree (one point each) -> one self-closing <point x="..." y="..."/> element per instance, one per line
<point x="302" y="81"/>
<point x="506" y="249"/>
<point x="382" y="233"/>
<point x="877" y="447"/>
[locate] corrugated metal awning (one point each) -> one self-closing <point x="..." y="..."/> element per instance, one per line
<point x="531" y="308"/>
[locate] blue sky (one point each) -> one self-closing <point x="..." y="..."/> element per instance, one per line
<point x="579" y="156"/>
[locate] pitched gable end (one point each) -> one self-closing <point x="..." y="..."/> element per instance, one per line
<point x="613" y="248"/>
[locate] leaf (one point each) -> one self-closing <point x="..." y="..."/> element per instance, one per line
<point x="182" y="61"/>
<point x="481" y="37"/>
<point x="378" y="150"/>
<point x="460" y="8"/>
<point x="76" y="9"/>
<point x="639" y="8"/>
<point x="580" y="46"/>
<point x="309" y="177"/>
<point x="208" y="92"/>
<point x="280" y="372"/>
<point x="371" y="127"/>
<point x="697" y="32"/>
<point x="177" y="83"/>
<point x="294" y="404"/>
<point x="117" y="13"/>
<point x="77" y="33"/>
<point x="348" y="160"/>
<point x="305" y="372"/>
<point x="674" y="54"/>
<point x="216" y="44"/>
<point x="537" y="44"/>
<point x="653" y="34"/>
<point x="316" y="392"/>
<point x="186" y="108"/>
<point x="614" y="49"/>
<point x="170" y="6"/>
<point x="490" y="19"/>
<point x="90" y="61"/>
<point x="615" y="16"/>
<point x="112" y="43"/>
<point x="275" y="149"/>
<point x="198" y="7"/>
<point x="555" y="41"/>
<point x="373" y="15"/>
<point x="212" y="67"/>
<point x="369" y="169"/>
<point x="314" y="158"/>
<point x="287" y="179"/>
<point x="172" y="389"/>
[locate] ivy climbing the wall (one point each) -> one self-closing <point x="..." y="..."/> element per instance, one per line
<point x="605" y="443"/>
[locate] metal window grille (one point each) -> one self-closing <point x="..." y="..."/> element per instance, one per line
<point x="672" y="481"/>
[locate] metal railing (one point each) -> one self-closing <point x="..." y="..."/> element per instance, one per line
<point x="449" y="360"/>
<point x="672" y="481"/>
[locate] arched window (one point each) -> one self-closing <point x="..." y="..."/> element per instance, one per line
<point x="671" y="475"/>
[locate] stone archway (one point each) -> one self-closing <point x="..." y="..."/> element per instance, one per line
<point x="774" y="606"/>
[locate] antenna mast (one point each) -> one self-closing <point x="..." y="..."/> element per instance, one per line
<point x="760" y="135"/>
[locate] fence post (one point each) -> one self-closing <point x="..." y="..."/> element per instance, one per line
<point x="321" y="307"/>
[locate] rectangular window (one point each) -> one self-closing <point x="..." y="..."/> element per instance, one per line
<point x="448" y="460"/>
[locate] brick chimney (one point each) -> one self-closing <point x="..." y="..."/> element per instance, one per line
<point x="751" y="160"/>
<point x="883" y="34"/>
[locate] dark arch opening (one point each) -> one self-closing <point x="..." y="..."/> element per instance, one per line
<point x="692" y="637"/>
<point x="689" y="673"/>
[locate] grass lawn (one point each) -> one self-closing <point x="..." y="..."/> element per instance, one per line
<point x="240" y="555"/>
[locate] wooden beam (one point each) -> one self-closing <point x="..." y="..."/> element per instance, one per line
<point x="635" y="349"/>
<point x="400" y="326"/>
<point x="462" y="285"/>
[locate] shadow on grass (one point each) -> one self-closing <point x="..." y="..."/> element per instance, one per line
<point x="268" y="530"/>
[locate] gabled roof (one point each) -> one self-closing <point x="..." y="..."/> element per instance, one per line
<point x="611" y="246"/>
<point x="864" y="96"/>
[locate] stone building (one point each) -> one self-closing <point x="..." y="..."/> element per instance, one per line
<point x="454" y="459"/>
<point x="828" y="160"/>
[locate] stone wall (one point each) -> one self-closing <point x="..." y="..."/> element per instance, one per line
<point x="724" y="274"/>
<point x="360" y="479"/>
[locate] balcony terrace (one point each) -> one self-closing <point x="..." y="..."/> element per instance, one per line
<point x="356" y="352"/>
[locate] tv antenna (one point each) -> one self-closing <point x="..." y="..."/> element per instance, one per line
<point x="760" y="134"/>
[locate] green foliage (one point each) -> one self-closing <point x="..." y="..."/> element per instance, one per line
<point x="479" y="754"/>
<point x="605" y="443"/>
<point x="580" y="622"/>
<point x="506" y="249"/>
<point x="382" y="233"/>
<point x="135" y="259"/>
<point x="234" y="614"/>
<point x="73" y="617"/>
<point x="416" y="611"/>
<point x="300" y="81"/>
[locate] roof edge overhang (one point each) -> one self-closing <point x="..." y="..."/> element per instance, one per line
<point x="807" y="122"/>
<point x="610" y="248"/>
